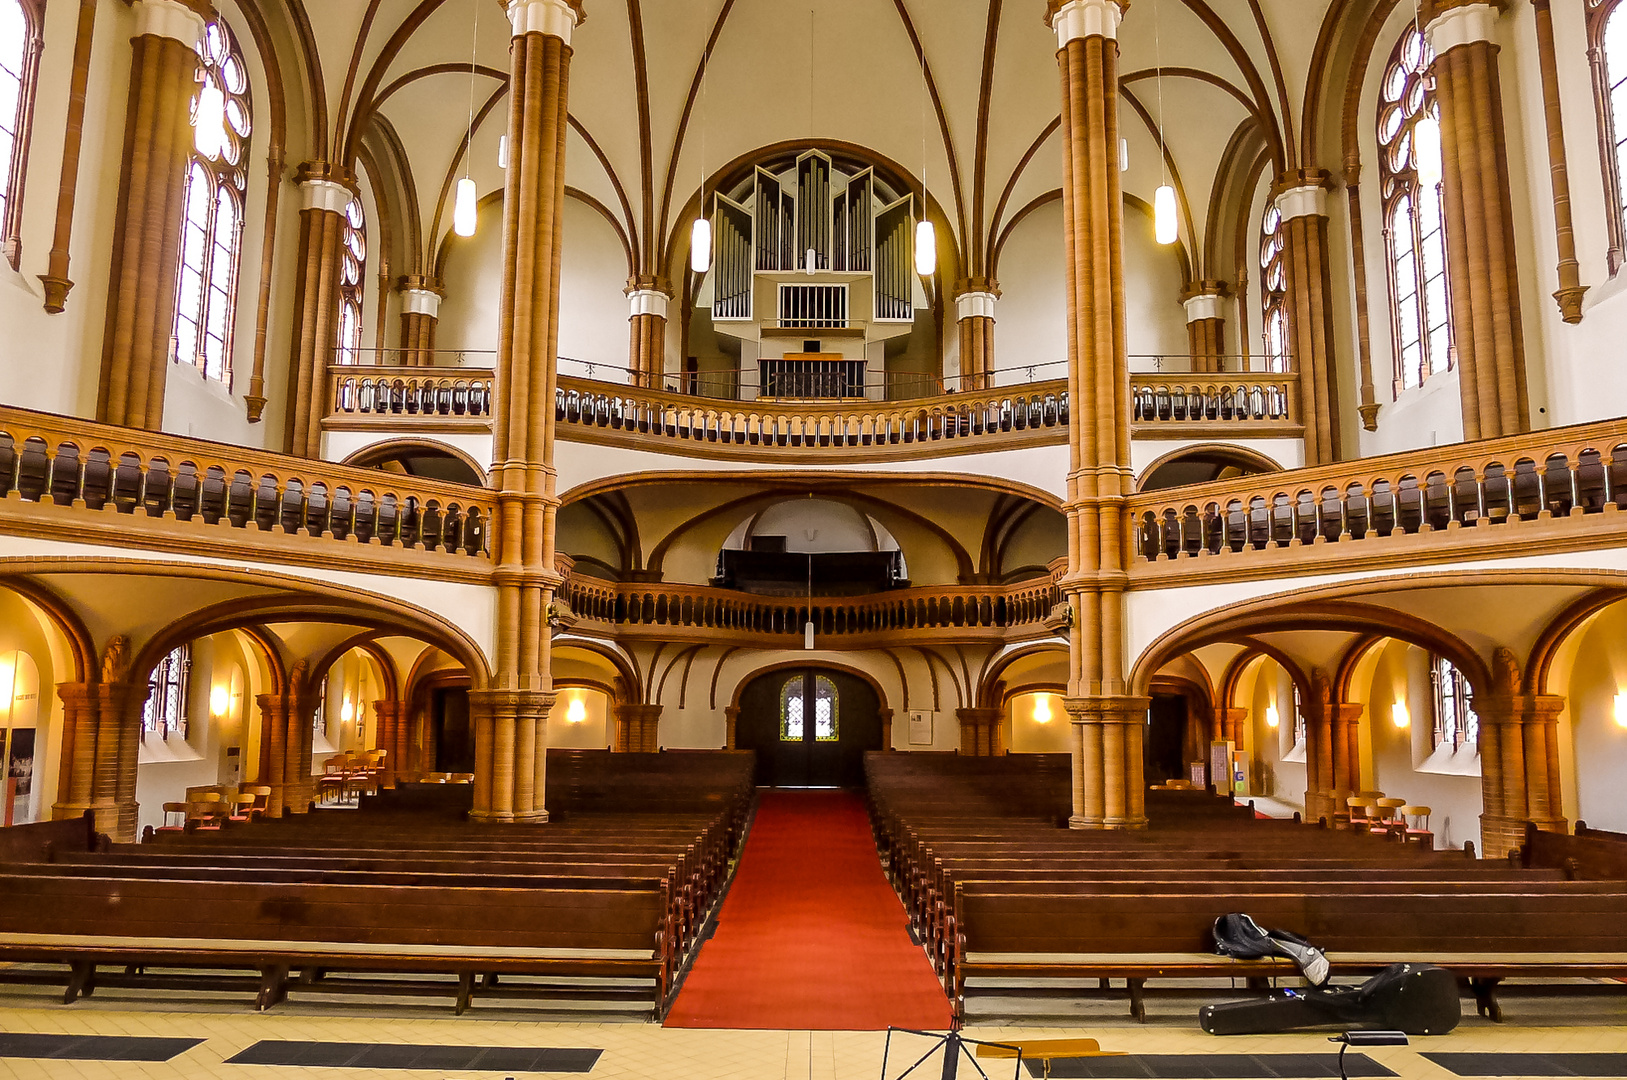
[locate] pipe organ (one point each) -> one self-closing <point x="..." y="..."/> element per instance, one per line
<point x="813" y="271"/>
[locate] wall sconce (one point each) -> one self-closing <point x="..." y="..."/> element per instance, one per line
<point x="1621" y="710"/>
<point x="347" y="711"/>
<point x="576" y="711"/>
<point x="1398" y="715"/>
<point x="220" y="699"/>
<point x="1042" y="709"/>
<point x="1271" y="720"/>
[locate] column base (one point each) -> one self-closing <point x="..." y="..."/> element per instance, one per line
<point x="1500" y="835"/>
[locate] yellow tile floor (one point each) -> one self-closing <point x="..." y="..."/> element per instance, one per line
<point x="633" y="1050"/>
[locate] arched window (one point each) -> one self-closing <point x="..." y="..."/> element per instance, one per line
<point x="803" y="697"/>
<point x="164" y="713"/>
<point x="212" y="230"/>
<point x="1273" y="291"/>
<point x="1456" y="724"/>
<point x="319" y="717"/>
<point x="1414" y="224"/>
<point x="1607" y="55"/>
<point x="20" y="44"/>
<point x="354" y="253"/>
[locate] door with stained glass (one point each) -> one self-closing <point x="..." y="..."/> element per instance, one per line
<point x="809" y="727"/>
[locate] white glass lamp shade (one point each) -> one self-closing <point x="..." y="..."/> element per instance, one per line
<point x="1164" y="218"/>
<point x="464" y="210"/>
<point x="1426" y="150"/>
<point x="209" y="122"/>
<point x="1124" y="155"/>
<point x="700" y="246"/>
<point x="808" y="634"/>
<point x="502" y="151"/>
<point x="926" y="248"/>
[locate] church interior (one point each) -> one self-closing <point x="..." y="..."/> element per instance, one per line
<point x="1174" y="478"/>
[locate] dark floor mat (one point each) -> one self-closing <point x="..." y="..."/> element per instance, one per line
<point x="91" y="1047"/>
<point x="1218" y="1066"/>
<point x="392" y="1056"/>
<point x="1532" y="1064"/>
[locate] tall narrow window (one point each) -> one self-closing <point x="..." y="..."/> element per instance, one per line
<point x="1414" y="224"/>
<point x="1456" y="724"/>
<point x="20" y="43"/>
<point x="350" y="284"/>
<point x="1607" y="55"/>
<point x="1299" y="718"/>
<point x="165" y="711"/>
<point x="1273" y="291"/>
<point x="806" y="699"/>
<point x="212" y="229"/>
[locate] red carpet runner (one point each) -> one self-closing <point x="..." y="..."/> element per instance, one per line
<point x="811" y="937"/>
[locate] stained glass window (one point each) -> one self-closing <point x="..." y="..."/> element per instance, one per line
<point x="354" y="255"/>
<point x="1607" y="53"/>
<point x="165" y="713"/>
<point x="1456" y="724"/>
<point x="1273" y="291"/>
<point x="795" y="706"/>
<point x="212" y="229"/>
<point x="20" y="42"/>
<point x="1414" y="222"/>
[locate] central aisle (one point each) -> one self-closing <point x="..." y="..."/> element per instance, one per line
<point x="811" y="937"/>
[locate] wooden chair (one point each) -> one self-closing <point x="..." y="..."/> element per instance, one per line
<point x="1388" y="820"/>
<point x="242" y="808"/>
<point x="331" y="784"/>
<point x="171" y="809"/>
<point x="207" y="809"/>
<point x="1362" y="811"/>
<point x="1417" y="826"/>
<point x="262" y="798"/>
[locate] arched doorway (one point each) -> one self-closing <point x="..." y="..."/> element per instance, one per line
<point x="809" y="726"/>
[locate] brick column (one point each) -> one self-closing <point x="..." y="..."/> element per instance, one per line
<point x="511" y="717"/>
<point x="638" y="729"/>
<point x="1302" y="199"/>
<point x="420" y="313"/>
<point x="147" y="223"/>
<point x="980" y="734"/>
<point x="886" y="716"/>
<point x="1230" y="724"/>
<point x="391" y="737"/>
<point x="1344" y="724"/>
<point x="974" y="319"/>
<point x="1480" y="262"/>
<point x="102" y="746"/>
<point x="731" y="721"/>
<point x="1519" y="760"/>
<point x="1109" y="791"/>
<point x="274" y="735"/>
<point x="1206" y="324"/>
<point x="648" y="298"/>
<point x="324" y="193"/>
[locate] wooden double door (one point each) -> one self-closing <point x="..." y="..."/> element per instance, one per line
<point x="809" y="726"/>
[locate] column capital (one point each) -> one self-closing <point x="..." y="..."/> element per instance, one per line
<point x="1074" y="19"/>
<point x="1205" y="305"/>
<point x="173" y="19"/>
<point x="1450" y="23"/>
<point x="554" y="17"/>
<point x="1303" y="194"/>
<point x="1107" y="709"/>
<point x="976" y="303"/>
<point x="421" y="300"/>
<point x="647" y="302"/>
<point x="323" y="187"/>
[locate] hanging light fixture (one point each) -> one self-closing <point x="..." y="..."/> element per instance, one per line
<point x="465" y="207"/>
<point x="502" y="151"/>
<point x="926" y="237"/>
<point x="1426" y="150"/>
<point x="700" y="234"/>
<point x="1165" y="220"/>
<point x="209" y="122"/>
<point x="1124" y="155"/>
<point x="808" y="627"/>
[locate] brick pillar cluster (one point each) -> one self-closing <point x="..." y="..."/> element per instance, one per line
<point x="324" y="192"/>
<point x="974" y="319"/>
<point x="1519" y="760"/>
<point x="420" y="313"/>
<point x="1206" y="324"/>
<point x="981" y="733"/>
<point x="101" y="745"/>
<point x="638" y="729"/>
<point x="1302" y="199"/>
<point x="647" y="298"/>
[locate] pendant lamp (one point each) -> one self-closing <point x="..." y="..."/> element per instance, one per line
<point x="464" y="210"/>
<point x="700" y="246"/>
<point x="1164" y="218"/>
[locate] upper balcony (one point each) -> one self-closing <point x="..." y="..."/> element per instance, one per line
<point x="813" y="417"/>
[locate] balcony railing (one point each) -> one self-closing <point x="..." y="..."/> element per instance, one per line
<point x="983" y="609"/>
<point x="360" y="392"/>
<point x="1224" y="398"/>
<point x="76" y="463"/>
<point x="990" y="417"/>
<point x="1564" y="473"/>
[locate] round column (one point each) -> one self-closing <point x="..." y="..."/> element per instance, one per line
<point x="974" y="320"/>
<point x="324" y="192"/>
<point x="1302" y="199"/>
<point x="1205" y="304"/>
<point x="420" y="313"/>
<point x="647" y="330"/>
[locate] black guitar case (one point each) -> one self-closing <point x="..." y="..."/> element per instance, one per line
<point x="1419" y="999"/>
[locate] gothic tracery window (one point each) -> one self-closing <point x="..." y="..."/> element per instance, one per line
<point x="1414" y="222"/>
<point x="20" y="44"/>
<point x="1456" y="724"/>
<point x="212" y="229"/>
<point x="354" y="256"/>
<point x="165" y="711"/>
<point x="1607" y="55"/>
<point x="1273" y="291"/>
<point x="797" y="707"/>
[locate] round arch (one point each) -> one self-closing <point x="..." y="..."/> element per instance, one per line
<point x="1221" y="456"/>
<point x="374" y="455"/>
<point x="816" y="661"/>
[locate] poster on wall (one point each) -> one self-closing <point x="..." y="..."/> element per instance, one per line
<point x="19" y="772"/>
<point x="920" y="729"/>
